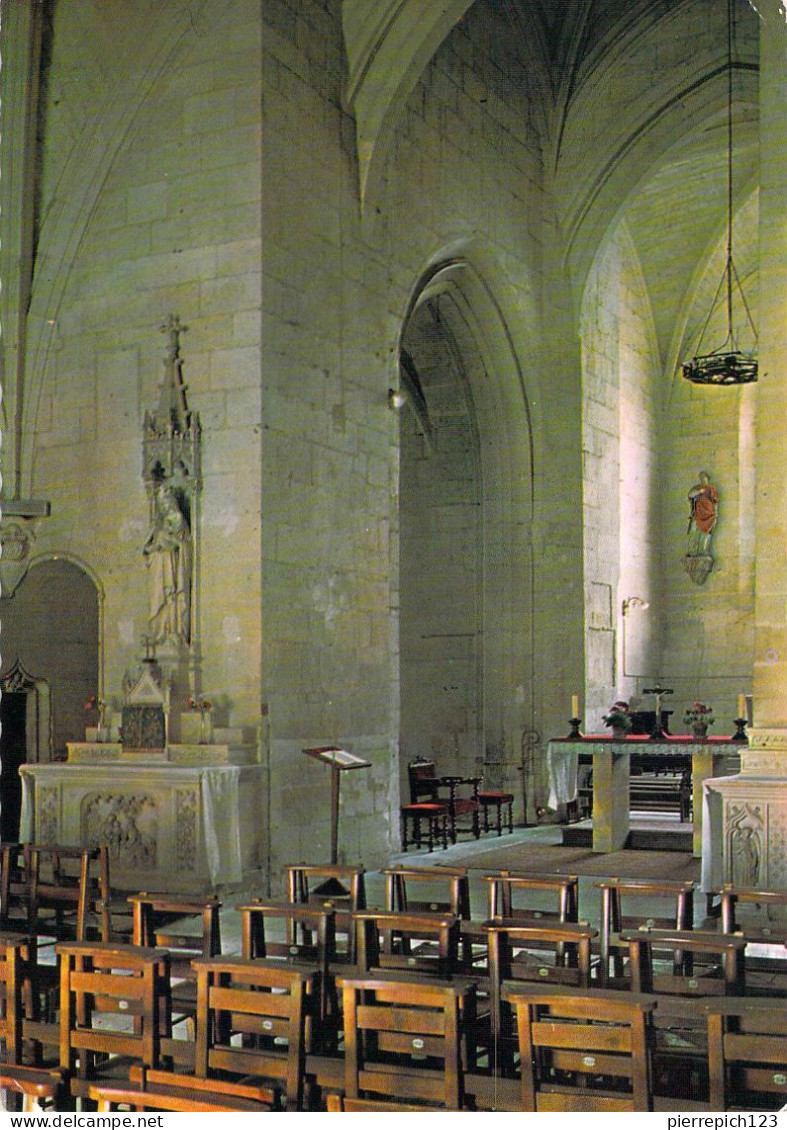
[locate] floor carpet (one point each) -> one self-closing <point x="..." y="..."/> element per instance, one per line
<point x="578" y="861"/>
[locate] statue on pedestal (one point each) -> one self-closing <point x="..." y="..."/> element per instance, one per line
<point x="704" y="502"/>
<point x="171" y="470"/>
<point x="168" y="554"/>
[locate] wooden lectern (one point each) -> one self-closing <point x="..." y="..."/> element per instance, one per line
<point x="339" y="761"/>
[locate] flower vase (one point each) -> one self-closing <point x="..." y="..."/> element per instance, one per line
<point x="699" y="729"/>
<point x="203" y="728"/>
<point x="619" y="732"/>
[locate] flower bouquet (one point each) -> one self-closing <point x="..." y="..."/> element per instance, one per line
<point x="698" y="717"/>
<point x="618" y="718"/>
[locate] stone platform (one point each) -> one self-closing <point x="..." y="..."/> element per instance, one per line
<point x="643" y="835"/>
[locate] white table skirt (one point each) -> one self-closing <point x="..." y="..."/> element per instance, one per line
<point x="562" y="764"/>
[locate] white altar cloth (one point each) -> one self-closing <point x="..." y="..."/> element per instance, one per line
<point x="168" y="826"/>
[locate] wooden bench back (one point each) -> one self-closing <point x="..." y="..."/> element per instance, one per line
<point x="403" y="1042"/>
<point x="519" y="894"/>
<point x="342" y="886"/>
<point x="704" y="963"/>
<point x="113" y="1002"/>
<point x="432" y="890"/>
<point x="596" y="1043"/>
<point x="747" y="1054"/>
<point x="629" y="905"/>
<point x="389" y="940"/>
<point x="55" y="890"/>
<point x="266" y="1004"/>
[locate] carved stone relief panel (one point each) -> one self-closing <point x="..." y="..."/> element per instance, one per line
<point x="746" y="840"/>
<point x="127" y="823"/>
<point x="48" y="816"/>
<point x="186" y="829"/>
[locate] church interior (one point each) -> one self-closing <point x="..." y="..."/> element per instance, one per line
<point x="394" y="500"/>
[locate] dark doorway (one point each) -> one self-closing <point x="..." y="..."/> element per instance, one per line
<point x="13" y="753"/>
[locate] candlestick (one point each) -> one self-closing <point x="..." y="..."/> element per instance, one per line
<point x="575" y="706"/>
<point x="741" y="705"/>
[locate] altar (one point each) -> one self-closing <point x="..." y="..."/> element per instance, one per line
<point x="709" y="757"/>
<point x="185" y="819"/>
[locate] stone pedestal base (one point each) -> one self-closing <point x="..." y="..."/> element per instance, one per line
<point x="745" y="841"/>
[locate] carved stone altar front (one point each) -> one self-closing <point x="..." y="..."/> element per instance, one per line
<point x="187" y="819"/>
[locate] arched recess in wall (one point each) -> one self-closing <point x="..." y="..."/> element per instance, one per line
<point x="52" y="634"/>
<point x="466" y="507"/>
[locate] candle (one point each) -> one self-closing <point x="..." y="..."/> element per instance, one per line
<point x="741" y="705"/>
<point x="575" y="706"/>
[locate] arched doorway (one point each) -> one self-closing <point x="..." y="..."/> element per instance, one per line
<point x="465" y="514"/>
<point x="50" y="668"/>
<point x="24" y="735"/>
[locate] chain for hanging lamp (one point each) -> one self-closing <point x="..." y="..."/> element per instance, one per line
<point x="726" y="365"/>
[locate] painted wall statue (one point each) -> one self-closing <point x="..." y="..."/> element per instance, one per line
<point x="168" y="555"/>
<point x="704" y="502"/>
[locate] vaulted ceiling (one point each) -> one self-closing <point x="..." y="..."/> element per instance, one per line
<point x="630" y="97"/>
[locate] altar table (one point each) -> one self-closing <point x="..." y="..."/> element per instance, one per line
<point x="710" y="757"/>
<point x="187" y="819"/>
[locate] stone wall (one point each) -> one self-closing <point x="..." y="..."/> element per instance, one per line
<point x="621" y="435"/>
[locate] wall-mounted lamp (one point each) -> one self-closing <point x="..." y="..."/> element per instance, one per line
<point x="396" y="399"/>
<point x="634" y="602"/>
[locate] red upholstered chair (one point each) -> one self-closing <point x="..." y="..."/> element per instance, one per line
<point x="448" y="790"/>
<point x="431" y="813"/>
<point x="503" y="805"/>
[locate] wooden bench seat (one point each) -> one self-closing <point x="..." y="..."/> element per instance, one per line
<point x="662" y="793"/>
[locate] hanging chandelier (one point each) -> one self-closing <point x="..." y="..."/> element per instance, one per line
<point x="726" y="365"/>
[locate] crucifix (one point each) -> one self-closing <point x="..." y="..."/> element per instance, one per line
<point x="149" y="644"/>
<point x="659" y="691"/>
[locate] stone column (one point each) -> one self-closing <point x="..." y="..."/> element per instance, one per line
<point x="748" y="813"/>
<point x="770" y="659"/>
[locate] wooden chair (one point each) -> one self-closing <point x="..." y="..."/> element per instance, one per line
<point x="262" y="999"/>
<point x="309" y="940"/>
<point x="747" y="1054"/>
<point x="69" y="892"/>
<point x="519" y="951"/>
<point x="154" y="915"/>
<point x="760" y="915"/>
<point x="403" y="1043"/>
<point x="629" y="905"/>
<point x="113" y="1011"/>
<point x="451" y="790"/>
<point x="250" y="1046"/>
<point x="502" y="803"/>
<point x="761" y="918"/>
<point x="343" y="887"/>
<point x="701" y="963"/>
<point x="581" y="1052"/>
<point x="432" y="890"/>
<point x="522" y="894"/>
<point x="14" y="888"/>
<point x="695" y="965"/>
<point x="21" y="1071"/>
<point x="413" y="817"/>
<point x="186" y="927"/>
<point x="427" y="944"/>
